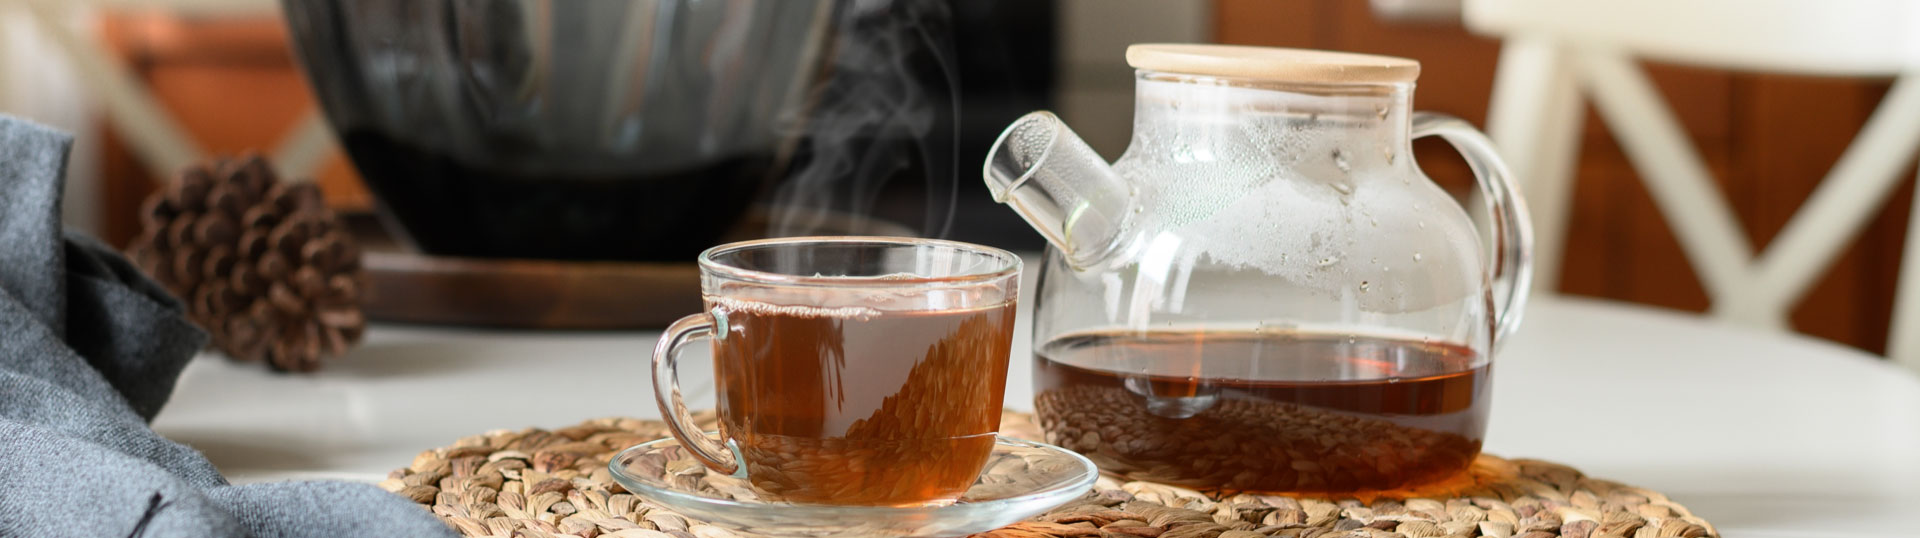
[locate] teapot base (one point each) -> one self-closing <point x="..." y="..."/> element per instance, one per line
<point x="1289" y="411"/>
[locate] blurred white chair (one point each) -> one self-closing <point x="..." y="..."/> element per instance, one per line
<point x="1558" y="52"/>
<point x="133" y="112"/>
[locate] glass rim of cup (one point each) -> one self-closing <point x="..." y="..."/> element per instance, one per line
<point x="1007" y="263"/>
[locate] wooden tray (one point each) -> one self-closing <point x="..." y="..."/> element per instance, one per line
<point x="410" y="287"/>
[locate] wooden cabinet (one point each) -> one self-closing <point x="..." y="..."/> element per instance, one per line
<point x="1768" y="139"/>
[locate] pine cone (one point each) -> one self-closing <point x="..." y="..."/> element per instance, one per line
<point x="264" y="266"/>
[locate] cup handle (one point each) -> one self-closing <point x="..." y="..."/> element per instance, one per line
<point x="1512" y="255"/>
<point x="666" y="391"/>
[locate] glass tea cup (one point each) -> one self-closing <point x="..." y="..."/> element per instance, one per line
<point x="849" y="370"/>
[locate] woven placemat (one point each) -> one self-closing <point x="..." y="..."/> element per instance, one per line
<point x="540" y="483"/>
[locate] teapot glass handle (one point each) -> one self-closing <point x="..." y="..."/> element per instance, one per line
<point x="1512" y="255"/>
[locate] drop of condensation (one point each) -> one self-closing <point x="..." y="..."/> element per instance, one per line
<point x="1340" y="161"/>
<point x="1389" y="154"/>
<point x="1416" y="257"/>
<point x="1375" y="222"/>
<point x="1363" y="286"/>
<point x="1329" y="261"/>
<point x="1343" y="187"/>
<point x="1423" y="224"/>
<point x="1381" y="112"/>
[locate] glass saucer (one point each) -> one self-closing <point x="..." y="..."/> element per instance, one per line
<point x="1021" y="479"/>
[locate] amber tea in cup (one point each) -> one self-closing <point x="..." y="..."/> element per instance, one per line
<point x="849" y="370"/>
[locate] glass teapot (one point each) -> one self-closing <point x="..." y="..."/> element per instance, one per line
<point x="1265" y="293"/>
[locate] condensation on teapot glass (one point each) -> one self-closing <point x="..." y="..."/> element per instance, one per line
<point x="1317" y="179"/>
<point x="1307" y="187"/>
<point x="1061" y="187"/>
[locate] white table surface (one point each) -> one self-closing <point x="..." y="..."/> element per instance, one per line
<point x="1766" y="435"/>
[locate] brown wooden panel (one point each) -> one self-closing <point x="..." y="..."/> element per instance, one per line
<point x="1700" y="98"/>
<point x="1627" y="252"/>
<point x="1266" y="22"/>
<point x="1795" y="129"/>
<point x="231" y="108"/>
<point x="1880" y="248"/>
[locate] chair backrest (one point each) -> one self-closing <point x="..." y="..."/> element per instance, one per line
<point x="1558" y="53"/>
<point x="132" y="110"/>
<point x="1823" y="37"/>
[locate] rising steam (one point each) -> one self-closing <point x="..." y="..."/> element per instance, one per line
<point x="887" y="106"/>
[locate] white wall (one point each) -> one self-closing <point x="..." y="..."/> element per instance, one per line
<point x="37" y="83"/>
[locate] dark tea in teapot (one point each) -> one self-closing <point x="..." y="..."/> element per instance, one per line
<point x="1229" y="409"/>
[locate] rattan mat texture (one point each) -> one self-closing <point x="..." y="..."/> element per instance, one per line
<point x="555" y="483"/>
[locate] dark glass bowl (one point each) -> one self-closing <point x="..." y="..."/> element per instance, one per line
<point x="561" y="129"/>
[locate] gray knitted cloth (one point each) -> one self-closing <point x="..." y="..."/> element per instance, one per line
<point x="89" y="351"/>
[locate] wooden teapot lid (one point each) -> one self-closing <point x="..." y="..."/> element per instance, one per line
<point x="1293" y="65"/>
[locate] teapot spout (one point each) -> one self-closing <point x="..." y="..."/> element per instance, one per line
<point x="1061" y="187"/>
